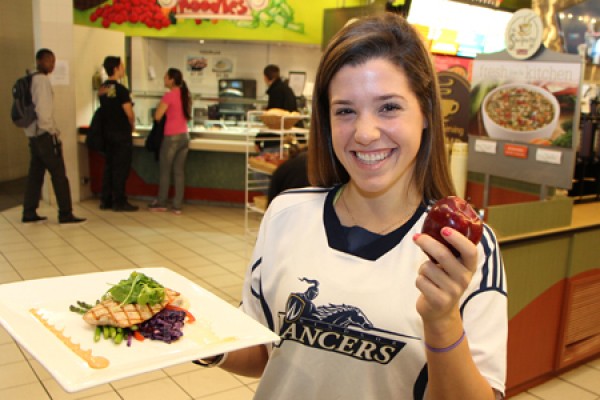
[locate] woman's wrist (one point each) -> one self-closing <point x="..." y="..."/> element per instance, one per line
<point x="447" y="348"/>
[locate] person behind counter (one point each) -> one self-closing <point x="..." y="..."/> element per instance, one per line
<point x="176" y="104"/>
<point x="280" y="95"/>
<point x="340" y="271"/>
<point x="118" y="122"/>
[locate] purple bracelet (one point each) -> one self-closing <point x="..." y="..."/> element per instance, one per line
<point x="446" y="349"/>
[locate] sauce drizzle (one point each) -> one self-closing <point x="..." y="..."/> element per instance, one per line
<point x="96" y="362"/>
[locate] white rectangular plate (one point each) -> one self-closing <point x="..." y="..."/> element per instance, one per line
<point x="219" y="327"/>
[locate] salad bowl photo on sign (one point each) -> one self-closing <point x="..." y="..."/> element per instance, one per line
<point x="523" y="101"/>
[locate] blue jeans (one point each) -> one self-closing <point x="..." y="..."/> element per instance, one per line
<point x="173" y="153"/>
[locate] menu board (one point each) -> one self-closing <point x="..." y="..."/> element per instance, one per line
<point x="529" y="101"/>
<point x="525" y="116"/>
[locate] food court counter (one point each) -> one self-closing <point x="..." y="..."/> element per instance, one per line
<point x="553" y="279"/>
<point x="214" y="171"/>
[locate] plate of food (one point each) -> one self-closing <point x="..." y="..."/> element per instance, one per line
<point x="91" y="329"/>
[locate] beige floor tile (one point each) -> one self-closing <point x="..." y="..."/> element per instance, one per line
<point x="5" y="336"/>
<point x="181" y="369"/>
<point x="10" y="354"/>
<point x="524" y="396"/>
<point x="208" y="270"/>
<point x="33" y="262"/>
<point x="558" y="389"/>
<point x="223" y="280"/>
<point x="58" y="393"/>
<point x="41" y="272"/>
<point x="204" y="382"/>
<point x="110" y="264"/>
<point x="175" y="254"/>
<point x="139" y="379"/>
<point x="594" y="363"/>
<point x="157" y="390"/>
<point x="102" y="254"/>
<point x="30" y="391"/>
<point x="253" y="386"/>
<point x="239" y="268"/>
<point x="5" y="265"/>
<point x="21" y="255"/>
<point x="16" y="374"/>
<point x="41" y="372"/>
<point x="59" y="251"/>
<point x="9" y="277"/>
<point x="241" y="393"/>
<point x="235" y="292"/>
<point x="20" y="246"/>
<point x="66" y="258"/>
<point x="585" y="377"/>
<point x="225" y="257"/>
<point x="246" y="380"/>
<point x="105" y="396"/>
<point x="49" y="243"/>
<point x="78" y="268"/>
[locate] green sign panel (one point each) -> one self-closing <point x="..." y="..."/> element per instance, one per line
<point x="298" y="21"/>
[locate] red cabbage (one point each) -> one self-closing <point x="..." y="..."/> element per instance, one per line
<point x="166" y="325"/>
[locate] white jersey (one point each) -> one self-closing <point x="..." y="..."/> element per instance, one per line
<point x="348" y="322"/>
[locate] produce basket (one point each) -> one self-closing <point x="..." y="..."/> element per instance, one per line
<point x="274" y="121"/>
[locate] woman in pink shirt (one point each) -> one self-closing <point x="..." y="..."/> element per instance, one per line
<point x="176" y="105"/>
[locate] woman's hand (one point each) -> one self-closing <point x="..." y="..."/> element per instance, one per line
<point x="443" y="283"/>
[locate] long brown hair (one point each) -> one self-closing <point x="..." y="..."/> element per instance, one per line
<point x="390" y="37"/>
<point x="186" y="98"/>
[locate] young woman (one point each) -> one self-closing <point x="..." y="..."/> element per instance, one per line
<point x="340" y="270"/>
<point x="176" y="105"/>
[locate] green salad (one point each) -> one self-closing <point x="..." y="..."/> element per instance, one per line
<point x="137" y="289"/>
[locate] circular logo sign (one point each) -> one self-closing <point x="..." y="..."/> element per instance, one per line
<point x="167" y="3"/>
<point x="523" y="36"/>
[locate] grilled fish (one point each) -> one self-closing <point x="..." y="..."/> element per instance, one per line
<point x="110" y="312"/>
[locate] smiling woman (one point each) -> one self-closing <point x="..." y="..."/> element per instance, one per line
<point x="340" y="270"/>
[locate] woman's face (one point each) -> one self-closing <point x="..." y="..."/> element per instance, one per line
<point x="376" y="125"/>
<point x="168" y="81"/>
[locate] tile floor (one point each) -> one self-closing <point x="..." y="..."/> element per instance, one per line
<point x="208" y="245"/>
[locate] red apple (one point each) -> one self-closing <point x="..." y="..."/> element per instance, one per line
<point x="457" y="214"/>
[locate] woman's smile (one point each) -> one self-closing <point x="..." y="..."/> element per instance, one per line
<point x="373" y="157"/>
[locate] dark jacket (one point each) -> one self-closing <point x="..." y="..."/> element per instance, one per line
<point x="155" y="137"/>
<point x="289" y="175"/>
<point x="281" y="96"/>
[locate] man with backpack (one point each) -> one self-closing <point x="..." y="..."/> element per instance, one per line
<point x="46" y="148"/>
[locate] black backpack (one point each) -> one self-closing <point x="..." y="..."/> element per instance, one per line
<point x="23" y="109"/>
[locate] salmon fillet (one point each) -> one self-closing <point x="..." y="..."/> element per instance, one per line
<point x="110" y="312"/>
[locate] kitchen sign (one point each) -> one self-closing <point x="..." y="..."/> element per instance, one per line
<point x="526" y="99"/>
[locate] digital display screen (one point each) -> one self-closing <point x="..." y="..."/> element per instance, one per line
<point x="236" y="84"/>
<point x="579" y="27"/>
<point x="592" y="42"/>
